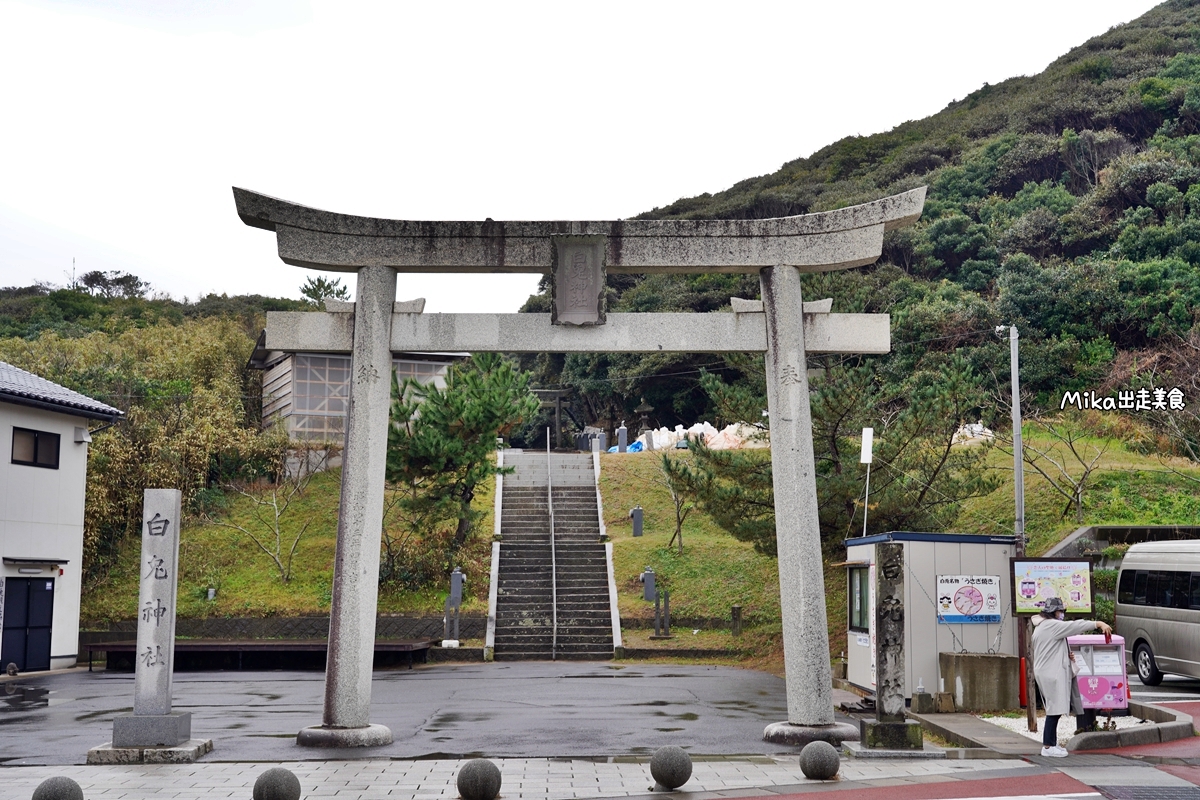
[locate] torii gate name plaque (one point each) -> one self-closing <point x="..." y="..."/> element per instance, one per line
<point x="577" y="254"/>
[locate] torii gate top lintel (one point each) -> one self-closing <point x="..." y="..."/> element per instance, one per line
<point x="829" y="240"/>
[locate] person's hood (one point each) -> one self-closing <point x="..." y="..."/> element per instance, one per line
<point x="1037" y="619"/>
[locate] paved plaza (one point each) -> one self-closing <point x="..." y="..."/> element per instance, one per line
<point x="515" y="709"/>
<point x="533" y="779"/>
<point x="556" y="730"/>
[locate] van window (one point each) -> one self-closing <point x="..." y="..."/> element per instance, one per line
<point x="1194" y="600"/>
<point x="1125" y="587"/>
<point x="1139" y="587"/>
<point x="1179" y="590"/>
<point x="1157" y="587"/>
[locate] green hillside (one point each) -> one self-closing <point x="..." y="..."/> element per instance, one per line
<point x="1066" y="203"/>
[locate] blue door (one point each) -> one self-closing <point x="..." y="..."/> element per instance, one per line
<point x="28" y="611"/>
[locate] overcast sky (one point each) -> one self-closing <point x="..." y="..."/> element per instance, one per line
<point x="126" y="122"/>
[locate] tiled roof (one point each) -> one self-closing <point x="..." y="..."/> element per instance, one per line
<point x="17" y="385"/>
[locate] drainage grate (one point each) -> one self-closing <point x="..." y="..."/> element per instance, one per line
<point x="1150" y="792"/>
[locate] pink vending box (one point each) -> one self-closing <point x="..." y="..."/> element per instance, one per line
<point x="1102" y="681"/>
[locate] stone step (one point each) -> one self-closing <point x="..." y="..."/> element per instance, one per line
<point x="512" y="616"/>
<point x="524" y="640"/>
<point x="539" y="613"/>
<point x="524" y="595"/>
<point x="520" y="641"/>
<point x="523" y="625"/>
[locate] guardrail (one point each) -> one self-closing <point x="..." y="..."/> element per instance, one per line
<point x="553" y="561"/>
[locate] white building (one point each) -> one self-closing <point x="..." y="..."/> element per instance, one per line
<point x="957" y="598"/>
<point x="310" y="392"/>
<point x="43" y="480"/>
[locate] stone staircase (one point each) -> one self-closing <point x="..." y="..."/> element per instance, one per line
<point x="524" y="606"/>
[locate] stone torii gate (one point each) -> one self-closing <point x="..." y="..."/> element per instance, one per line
<point x="577" y="255"/>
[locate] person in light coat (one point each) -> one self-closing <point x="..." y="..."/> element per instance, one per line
<point x="1052" y="669"/>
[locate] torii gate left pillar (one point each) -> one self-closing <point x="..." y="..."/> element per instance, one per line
<point x="354" y="599"/>
<point x="577" y="254"/>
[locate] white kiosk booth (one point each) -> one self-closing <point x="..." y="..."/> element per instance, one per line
<point x="957" y="598"/>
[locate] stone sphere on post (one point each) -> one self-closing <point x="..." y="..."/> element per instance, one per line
<point x="277" y="783"/>
<point x="819" y="761"/>
<point x="479" y="779"/>
<point x="670" y="767"/>
<point x="58" y="788"/>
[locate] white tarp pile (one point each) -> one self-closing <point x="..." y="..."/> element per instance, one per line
<point x="973" y="433"/>
<point x="737" y="436"/>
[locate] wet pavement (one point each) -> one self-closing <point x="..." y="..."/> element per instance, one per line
<point x="551" y="779"/>
<point x="520" y="709"/>
<point x="556" y="730"/>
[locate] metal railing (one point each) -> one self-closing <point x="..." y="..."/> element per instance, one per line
<point x="553" y="561"/>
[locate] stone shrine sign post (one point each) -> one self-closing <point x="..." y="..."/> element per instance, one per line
<point x="577" y="255"/>
<point x="891" y="730"/>
<point x="154" y="733"/>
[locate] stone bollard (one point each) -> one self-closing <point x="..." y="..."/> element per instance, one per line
<point x="943" y="703"/>
<point x="479" y="779"/>
<point x="922" y="703"/>
<point x="58" y="788"/>
<point x="737" y="620"/>
<point x="277" y="783"/>
<point x="670" y="767"/>
<point x="819" y="761"/>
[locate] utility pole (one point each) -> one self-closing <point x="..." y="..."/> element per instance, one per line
<point x="1024" y="644"/>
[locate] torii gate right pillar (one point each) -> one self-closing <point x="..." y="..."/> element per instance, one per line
<point x="797" y="527"/>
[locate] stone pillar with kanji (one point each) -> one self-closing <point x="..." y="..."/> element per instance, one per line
<point x="152" y="723"/>
<point x="891" y="729"/>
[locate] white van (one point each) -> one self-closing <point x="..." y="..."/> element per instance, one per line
<point x="1158" y="608"/>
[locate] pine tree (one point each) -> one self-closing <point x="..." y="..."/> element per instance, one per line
<point x="920" y="475"/>
<point x="442" y="441"/>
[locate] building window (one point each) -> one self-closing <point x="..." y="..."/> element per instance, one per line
<point x="860" y="599"/>
<point x="35" y="448"/>
<point x="321" y="392"/>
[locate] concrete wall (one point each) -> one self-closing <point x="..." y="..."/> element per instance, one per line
<point x="982" y="681"/>
<point x="924" y="637"/>
<point x="386" y="627"/>
<point x="41" y="516"/>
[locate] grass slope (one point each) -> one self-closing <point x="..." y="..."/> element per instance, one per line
<point x="247" y="581"/>
<point x="713" y="573"/>
<point x="1128" y="488"/>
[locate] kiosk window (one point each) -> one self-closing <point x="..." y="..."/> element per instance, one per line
<point x="860" y="599"/>
<point x="35" y="448"/>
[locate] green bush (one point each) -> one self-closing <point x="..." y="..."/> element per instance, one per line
<point x="1104" y="580"/>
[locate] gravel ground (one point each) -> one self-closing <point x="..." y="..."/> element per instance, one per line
<point x="1066" y="725"/>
